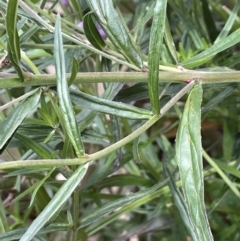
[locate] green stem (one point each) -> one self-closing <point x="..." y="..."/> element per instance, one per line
<point x="30" y="63"/>
<point x="104" y="152"/>
<point x="3" y="107"/>
<point x="12" y="80"/>
<point x="221" y="173"/>
<point x="75" y="213"/>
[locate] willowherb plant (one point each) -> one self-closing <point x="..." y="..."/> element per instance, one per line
<point x="119" y="119"/>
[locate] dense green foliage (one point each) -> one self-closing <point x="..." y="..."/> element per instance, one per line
<point x="119" y="119"/>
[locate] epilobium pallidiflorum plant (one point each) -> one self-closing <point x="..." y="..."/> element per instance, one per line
<point x="119" y="119"/>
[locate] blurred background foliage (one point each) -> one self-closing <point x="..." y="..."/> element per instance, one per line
<point x="104" y="207"/>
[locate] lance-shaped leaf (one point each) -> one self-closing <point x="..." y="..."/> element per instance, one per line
<point x="15" y="118"/>
<point x="56" y="203"/>
<point x="179" y="202"/>
<point x="102" y="211"/>
<point x="63" y="94"/>
<point x="169" y="41"/>
<point x="92" y="33"/>
<point x="156" y="37"/>
<point x="36" y="147"/>
<point x="108" y="106"/>
<point x="13" y="38"/>
<point x="228" y="25"/>
<point x="111" y="23"/>
<point x="189" y="158"/>
<point x="210" y="52"/>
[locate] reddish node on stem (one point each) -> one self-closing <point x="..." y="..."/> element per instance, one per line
<point x="181" y="68"/>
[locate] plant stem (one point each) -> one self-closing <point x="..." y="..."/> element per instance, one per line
<point x="221" y="173"/>
<point x="30" y="63"/>
<point x="25" y="96"/>
<point x="75" y="213"/>
<point x="104" y="152"/>
<point x="12" y="80"/>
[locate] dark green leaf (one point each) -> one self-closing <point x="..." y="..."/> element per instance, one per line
<point x="209" y="21"/>
<point x="156" y="38"/>
<point x="36" y="147"/>
<point x="74" y="71"/>
<point x="92" y="33"/>
<point x="13" y="38"/>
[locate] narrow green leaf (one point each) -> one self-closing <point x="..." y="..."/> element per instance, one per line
<point x="209" y="20"/>
<point x="12" y="36"/>
<point x="92" y="33"/>
<point x="228" y="25"/>
<point x="226" y="168"/>
<point x="49" y="136"/>
<point x="222" y="95"/>
<point x="4" y="226"/>
<point x="189" y="158"/>
<point x="229" y="131"/>
<point x="124" y="180"/>
<point x="85" y="117"/>
<point x="150" y="166"/>
<point x="127" y="209"/>
<point x="116" y="137"/>
<point x="156" y="38"/>
<point x="56" y="203"/>
<point x="191" y="30"/>
<point x="224" y="177"/>
<point x="27" y="172"/>
<point x="16" y="100"/>
<point x="36" y="147"/>
<point x="16" y="234"/>
<point x="210" y="52"/>
<point x="15" y="118"/>
<point x="135" y="150"/>
<point x="98" y="213"/>
<point x="63" y="94"/>
<point x="108" y="18"/>
<point x="100" y="173"/>
<point x="45" y="116"/>
<point x="179" y="201"/>
<point x="39" y="184"/>
<point x="74" y="71"/>
<point x="108" y="106"/>
<point x="169" y="42"/>
<point x="142" y="21"/>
